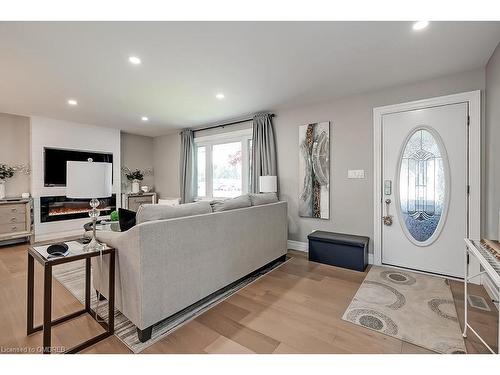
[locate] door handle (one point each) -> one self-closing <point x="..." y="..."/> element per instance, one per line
<point x="387" y="219"/>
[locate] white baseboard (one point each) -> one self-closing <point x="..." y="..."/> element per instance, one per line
<point x="299" y="246"/>
<point x="304" y="246"/>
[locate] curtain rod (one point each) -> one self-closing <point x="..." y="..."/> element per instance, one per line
<point x="227" y="124"/>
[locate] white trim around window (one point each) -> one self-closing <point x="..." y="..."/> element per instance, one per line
<point x="208" y="141"/>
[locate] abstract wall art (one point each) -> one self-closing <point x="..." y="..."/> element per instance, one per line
<point x="314" y="170"/>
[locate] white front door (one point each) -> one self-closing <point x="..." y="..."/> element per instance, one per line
<point x="424" y="178"/>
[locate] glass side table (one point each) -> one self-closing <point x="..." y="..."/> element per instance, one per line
<point x="39" y="253"/>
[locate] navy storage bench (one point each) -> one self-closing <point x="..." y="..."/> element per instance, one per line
<point x="337" y="249"/>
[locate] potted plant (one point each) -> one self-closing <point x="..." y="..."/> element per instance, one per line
<point x="6" y="172"/>
<point x="135" y="176"/>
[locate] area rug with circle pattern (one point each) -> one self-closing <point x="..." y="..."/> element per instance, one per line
<point x="412" y="307"/>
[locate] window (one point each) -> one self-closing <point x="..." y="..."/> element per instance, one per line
<point x="223" y="164"/>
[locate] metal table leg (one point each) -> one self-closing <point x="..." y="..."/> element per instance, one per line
<point x="466" y="276"/>
<point x="47" y="308"/>
<point x="30" y="306"/>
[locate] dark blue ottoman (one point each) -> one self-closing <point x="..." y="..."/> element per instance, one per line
<point x="338" y="249"/>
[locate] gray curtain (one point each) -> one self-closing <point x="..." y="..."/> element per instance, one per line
<point x="263" y="150"/>
<point x="187" y="172"/>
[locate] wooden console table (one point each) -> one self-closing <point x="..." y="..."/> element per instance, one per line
<point x="16" y="218"/>
<point x="75" y="253"/>
<point x="491" y="267"/>
<point x="134" y="201"/>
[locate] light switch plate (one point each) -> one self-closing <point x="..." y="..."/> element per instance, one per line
<point x="356" y="173"/>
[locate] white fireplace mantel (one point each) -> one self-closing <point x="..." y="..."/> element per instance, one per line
<point x="47" y="132"/>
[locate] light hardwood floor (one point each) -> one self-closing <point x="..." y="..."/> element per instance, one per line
<point x="295" y="309"/>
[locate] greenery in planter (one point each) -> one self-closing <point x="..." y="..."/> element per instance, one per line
<point x="114" y="216"/>
<point x="136" y="174"/>
<point x="6" y="171"/>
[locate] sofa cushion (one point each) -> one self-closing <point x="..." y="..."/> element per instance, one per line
<point x="169" y="202"/>
<point x="149" y="212"/>
<point x="231" y="204"/>
<point x="126" y="218"/>
<point x="263" y="198"/>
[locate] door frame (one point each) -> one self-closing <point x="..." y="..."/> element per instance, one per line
<point x="473" y="99"/>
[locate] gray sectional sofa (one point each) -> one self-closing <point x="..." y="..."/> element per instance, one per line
<point x="165" y="264"/>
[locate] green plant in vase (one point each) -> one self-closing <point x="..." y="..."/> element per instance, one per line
<point x="135" y="176"/>
<point x="6" y="172"/>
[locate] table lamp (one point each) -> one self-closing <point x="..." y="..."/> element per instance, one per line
<point x="89" y="180"/>
<point x="268" y="184"/>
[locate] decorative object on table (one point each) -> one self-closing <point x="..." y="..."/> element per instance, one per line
<point x="25" y="195"/>
<point x="114" y="216"/>
<point x="88" y="179"/>
<point x="339" y="249"/>
<point x="410" y="306"/>
<point x="135" y="176"/>
<point x="145" y="189"/>
<point x="8" y="171"/>
<point x="314" y="170"/>
<point x="18" y="216"/>
<point x="268" y="184"/>
<point x="58" y="250"/>
<point x="134" y="201"/>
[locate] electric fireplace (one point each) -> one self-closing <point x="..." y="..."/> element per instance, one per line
<point x="63" y="208"/>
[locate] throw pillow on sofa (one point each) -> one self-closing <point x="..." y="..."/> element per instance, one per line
<point x="149" y="212"/>
<point x="126" y="219"/>
<point x="231" y="204"/>
<point x="263" y="198"/>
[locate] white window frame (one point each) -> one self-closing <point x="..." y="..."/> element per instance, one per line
<point x="209" y="141"/>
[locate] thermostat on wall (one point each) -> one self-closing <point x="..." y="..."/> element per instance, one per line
<point x="356" y="173"/>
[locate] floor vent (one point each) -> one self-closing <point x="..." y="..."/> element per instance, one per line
<point x="478" y="302"/>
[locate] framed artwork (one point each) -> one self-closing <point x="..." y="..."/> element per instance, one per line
<point x="314" y="170"/>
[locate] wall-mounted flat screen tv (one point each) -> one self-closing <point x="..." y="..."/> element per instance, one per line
<point x="55" y="163"/>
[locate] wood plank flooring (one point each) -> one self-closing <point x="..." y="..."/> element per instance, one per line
<point x="295" y="309"/>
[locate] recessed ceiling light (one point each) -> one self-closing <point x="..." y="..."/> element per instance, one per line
<point x="220" y="96"/>
<point x="420" y="25"/>
<point x="72" y="102"/>
<point x="144" y="118"/>
<point x="134" y="60"/>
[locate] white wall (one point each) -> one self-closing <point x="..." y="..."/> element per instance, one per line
<point x="492" y="144"/>
<point x="136" y="153"/>
<point x="166" y="159"/>
<point x="15" y="149"/>
<point x="68" y="135"/>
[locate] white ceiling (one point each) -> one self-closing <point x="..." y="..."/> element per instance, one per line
<point x="257" y="65"/>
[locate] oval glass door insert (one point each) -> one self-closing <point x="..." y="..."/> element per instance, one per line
<point x="423" y="186"/>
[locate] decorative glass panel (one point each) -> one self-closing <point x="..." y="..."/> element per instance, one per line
<point x="422" y="185"/>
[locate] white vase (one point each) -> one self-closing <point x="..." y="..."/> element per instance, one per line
<point x="2" y="189"/>
<point x="135" y="187"/>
